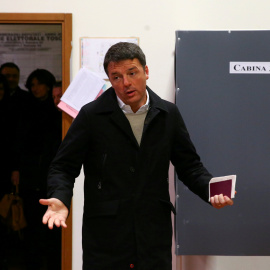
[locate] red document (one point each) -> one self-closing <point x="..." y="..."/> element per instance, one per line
<point x="222" y="185"/>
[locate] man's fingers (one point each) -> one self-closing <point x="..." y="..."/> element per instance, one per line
<point x="51" y="222"/>
<point x="228" y="200"/>
<point x="220" y="201"/>
<point x="58" y="222"/>
<point x="52" y="219"/>
<point x="63" y="224"/>
<point x="45" y="219"/>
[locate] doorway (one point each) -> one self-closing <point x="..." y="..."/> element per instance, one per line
<point x="64" y="22"/>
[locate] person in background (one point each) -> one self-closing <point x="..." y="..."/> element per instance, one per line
<point x="38" y="127"/>
<point x="5" y="171"/>
<point x="57" y="93"/>
<point x="12" y="72"/>
<point x="125" y="140"/>
<point x="4" y="90"/>
<point x="36" y="149"/>
<point x="18" y="105"/>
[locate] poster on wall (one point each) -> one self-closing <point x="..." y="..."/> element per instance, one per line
<point x="32" y="46"/>
<point x="93" y="51"/>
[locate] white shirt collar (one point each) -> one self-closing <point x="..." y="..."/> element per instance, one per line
<point x="127" y="109"/>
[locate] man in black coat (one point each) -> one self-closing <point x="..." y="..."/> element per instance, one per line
<point x="125" y="141"/>
<point x="18" y="110"/>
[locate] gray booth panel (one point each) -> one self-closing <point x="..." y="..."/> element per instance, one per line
<point x="228" y="118"/>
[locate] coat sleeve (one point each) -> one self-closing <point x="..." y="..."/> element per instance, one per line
<point x="188" y="166"/>
<point x="68" y="161"/>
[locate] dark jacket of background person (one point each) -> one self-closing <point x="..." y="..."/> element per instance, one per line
<point x="13" y="109"/>
<point x="5" y="133"/>
<point x="39" y="135"/>
<point x="18" y="105"/>
<point x="38" y="140"/>
<point x="127" y="209"/>
<point x="16" y="114"/>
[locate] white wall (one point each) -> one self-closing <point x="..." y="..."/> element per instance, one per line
<point x="154" y="22"/>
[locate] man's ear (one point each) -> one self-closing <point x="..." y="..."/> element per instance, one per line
<point x="146" y="72"/>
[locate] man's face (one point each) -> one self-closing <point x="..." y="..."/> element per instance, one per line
<point x="56" y="94"/>
<point x="128" y="78"/>
<point x="13" y="77"/>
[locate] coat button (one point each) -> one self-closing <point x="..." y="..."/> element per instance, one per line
<point x="132" y="169"/>
<point x="131" y="265"/>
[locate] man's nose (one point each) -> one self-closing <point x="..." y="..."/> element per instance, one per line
<point x="126" y="81"/>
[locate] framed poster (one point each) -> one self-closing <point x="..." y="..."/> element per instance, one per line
<point x="93" y="51"/>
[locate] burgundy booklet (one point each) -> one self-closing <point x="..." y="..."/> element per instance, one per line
<point x="222" y="185"/>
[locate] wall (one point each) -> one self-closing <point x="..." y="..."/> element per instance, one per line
<point x="155" y="22"/>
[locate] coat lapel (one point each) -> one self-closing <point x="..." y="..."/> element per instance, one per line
<point x="120" y="120"/>
<point x="109" y="105"/>
<point x="156" y="105"/>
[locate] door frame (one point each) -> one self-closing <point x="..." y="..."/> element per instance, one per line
<point x="65" y="19"/>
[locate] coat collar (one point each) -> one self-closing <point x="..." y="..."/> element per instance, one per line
<point x="107" y="104"/>
<point x="156" y="101"/>
<point x="108" y="101"/>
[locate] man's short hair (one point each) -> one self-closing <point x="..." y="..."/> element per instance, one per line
<point x="123" y="51"/>
<point x="9" y="65"/>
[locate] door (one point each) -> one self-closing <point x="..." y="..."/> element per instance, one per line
<point x="65" y="21"/>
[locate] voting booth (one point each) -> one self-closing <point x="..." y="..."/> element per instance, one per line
<point x="223" y="93"/>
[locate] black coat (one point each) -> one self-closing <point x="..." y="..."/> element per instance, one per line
<point x="127" y="209"/>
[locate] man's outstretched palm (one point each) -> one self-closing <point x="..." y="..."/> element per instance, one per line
<point x="56" y="213"/>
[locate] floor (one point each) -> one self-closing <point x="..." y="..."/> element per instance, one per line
<point x="13" y="256"/>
